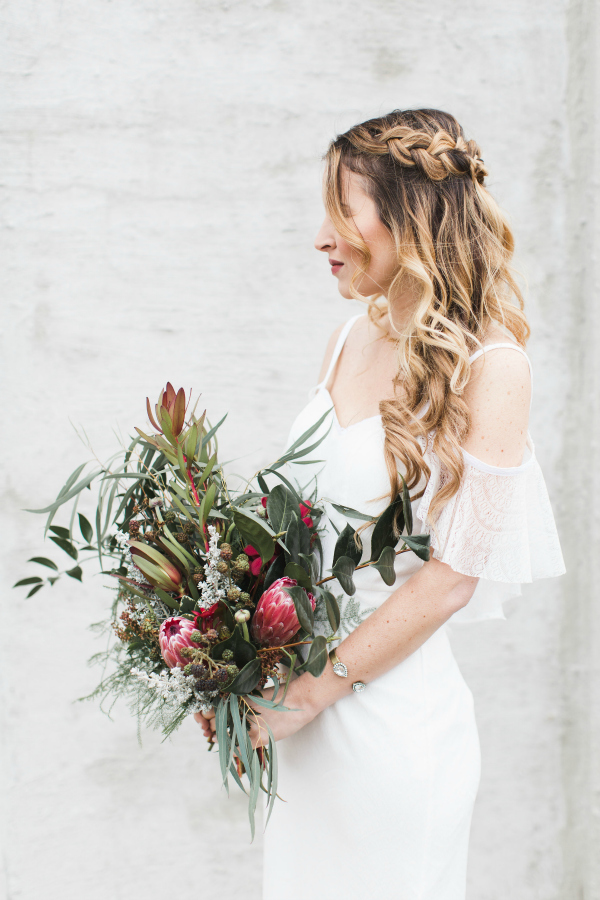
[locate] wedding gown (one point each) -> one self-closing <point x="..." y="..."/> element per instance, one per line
<point x="379" y="787"/>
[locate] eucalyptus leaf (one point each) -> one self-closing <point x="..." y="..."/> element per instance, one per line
<point x="256" y="532"/>
<point x="60" y="532"/>
<point x="86" y="529"/>
<point x="67" y="546"/>
<point x="407" y="506"/>
<point x="343" y="571"/>
<point x="384" y="534"/>
<point x="221" y="714"/>
<point x="333" y="609"/>
<point x="76" y="573"/>
<point x="61" y="500"/>
<point x="346" y="545"/>
<point x="385" y="565"/>
<point x="285" y="481"/>
<point x="309" y="432"/>
<point x="239" y="730"/>
<point x="247" y="679"/>
<point x="210" y="434"/>
<point x="317" y="657"/>
<point x="243" y="651"/>
<point x="34" y="590"/>
<point x="275" y="571"/>
<point x="43" y="561"/>
<point x="419" y="544"/>
<point x="281" y="503"/>
<point x="254" y="776"/>
<point x="351" y="513"/>
<point x="303" y="607"/>
<point x="33" y="579"/>
<point x="293" y="570"/>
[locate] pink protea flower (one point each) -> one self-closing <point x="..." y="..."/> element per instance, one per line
<point x="275" y="621"/>
<point x="175" y="634"/>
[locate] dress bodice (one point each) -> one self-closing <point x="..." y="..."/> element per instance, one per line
<point x="499" y="527"/>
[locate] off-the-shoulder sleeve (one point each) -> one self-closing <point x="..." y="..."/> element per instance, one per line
<point x="499" y="527"/>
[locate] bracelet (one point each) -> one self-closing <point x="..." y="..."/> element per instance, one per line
<point x="342" y="670"/>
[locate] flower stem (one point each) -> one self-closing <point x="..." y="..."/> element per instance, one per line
<point x="405" y="549"/>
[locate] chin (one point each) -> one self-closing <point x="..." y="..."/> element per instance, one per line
<point x="344" y="291"/>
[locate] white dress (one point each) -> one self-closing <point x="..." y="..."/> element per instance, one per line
<point x="379" y="787"/>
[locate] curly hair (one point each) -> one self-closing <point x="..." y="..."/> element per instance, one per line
<point x="455" y="246"/>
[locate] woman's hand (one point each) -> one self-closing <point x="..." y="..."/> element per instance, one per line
<point x="282" y="724"/>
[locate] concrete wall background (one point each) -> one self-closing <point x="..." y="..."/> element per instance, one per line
<point x="160" y="194"/>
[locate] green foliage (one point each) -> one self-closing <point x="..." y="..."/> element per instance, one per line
<point x="162" y="490"/>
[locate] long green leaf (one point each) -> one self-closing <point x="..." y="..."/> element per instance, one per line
<point x="239" y="731"/>
<point x="309" y="432"/>
<point x="273" y="773"/>
<point x="210" y="434"/>
<point x="406" y="506"/>
<point x="254" y="776"/>
<point x="350" y="513"/>
<point x="287" y="483"/>
<point x="222" y="738"/>
<point x="72" y="493"/>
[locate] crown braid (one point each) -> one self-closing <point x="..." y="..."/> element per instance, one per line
<point x="455" y="246"/>
<point x="437" y="157"/>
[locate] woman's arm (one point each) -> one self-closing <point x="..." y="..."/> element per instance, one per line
<point x="498" y="398"/>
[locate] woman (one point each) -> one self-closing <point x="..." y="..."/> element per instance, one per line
<point x="380" y="784"/>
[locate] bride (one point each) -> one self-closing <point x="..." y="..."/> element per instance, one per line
<point x="380" y="768"/>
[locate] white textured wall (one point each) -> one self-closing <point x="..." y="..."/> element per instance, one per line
<point x="160" y="193"/>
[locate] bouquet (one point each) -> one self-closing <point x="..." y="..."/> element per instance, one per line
<point x="215" y="588"/>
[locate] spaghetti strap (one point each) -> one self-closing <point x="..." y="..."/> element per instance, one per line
<point x="338" y="349"/>
<point x="508" y="346"/>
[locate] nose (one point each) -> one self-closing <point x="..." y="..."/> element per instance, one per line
<point x="325" y="239"/>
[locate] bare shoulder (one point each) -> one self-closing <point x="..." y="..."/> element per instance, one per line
<point x="498" y="396"/>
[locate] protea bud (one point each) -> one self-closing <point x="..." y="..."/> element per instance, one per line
<point x="275" y="621"/>
<point x="170" y="411"/>
<point x="156" y="568"/>
<point x="174" y="636"/>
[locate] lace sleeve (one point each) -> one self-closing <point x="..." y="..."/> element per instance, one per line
<point x="498" y="527"/>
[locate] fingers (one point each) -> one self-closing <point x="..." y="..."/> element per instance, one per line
<point x="208" y="724"/>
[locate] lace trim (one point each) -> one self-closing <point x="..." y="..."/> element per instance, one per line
<point x="499" y="526"/>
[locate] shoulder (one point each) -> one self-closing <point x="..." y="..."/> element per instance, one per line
<point x="498" y="396"/>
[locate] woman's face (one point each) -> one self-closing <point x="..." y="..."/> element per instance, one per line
<point x="364" y="219"/>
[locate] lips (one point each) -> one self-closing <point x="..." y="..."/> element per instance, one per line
<point x="336" y="265"/>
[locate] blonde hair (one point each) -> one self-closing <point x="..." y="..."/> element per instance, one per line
<point x="455" y="246"/>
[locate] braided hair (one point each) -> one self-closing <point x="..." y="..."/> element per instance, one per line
<point x="454" y="245"/>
